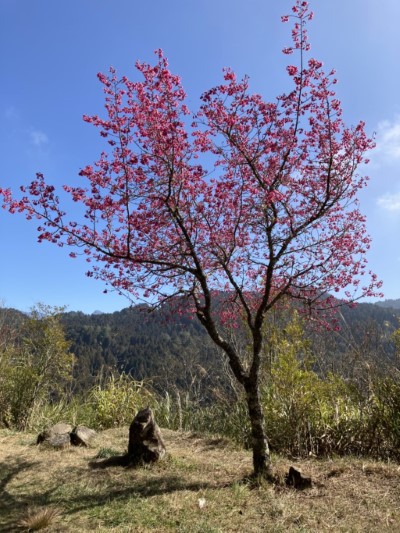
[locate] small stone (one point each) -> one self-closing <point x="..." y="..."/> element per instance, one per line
<point x="82" y="436"/>
<point x="201" y="502"/>
<point x="296" y="480"/>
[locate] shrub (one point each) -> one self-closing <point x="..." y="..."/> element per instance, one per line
<point x="35" y="368"/>
<point x="115" y="401"/>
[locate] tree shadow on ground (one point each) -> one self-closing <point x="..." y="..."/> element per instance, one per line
<point x="14" y="507"/>
<point x="146" y="488"/>
<point x="11" y="506"/>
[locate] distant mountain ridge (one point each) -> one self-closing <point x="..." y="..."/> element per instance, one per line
<point x="394" y="304"/>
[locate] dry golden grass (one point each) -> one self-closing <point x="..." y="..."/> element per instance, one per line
<point x="201" y="487"/>
<point x="37" y="519"/>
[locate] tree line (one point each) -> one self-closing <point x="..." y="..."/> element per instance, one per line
<point x="51" y="355"/>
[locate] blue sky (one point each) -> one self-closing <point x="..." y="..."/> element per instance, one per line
<point x="51" y="52"/>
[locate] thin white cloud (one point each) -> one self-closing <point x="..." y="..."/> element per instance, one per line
<point x="388" y="138"/>
<point x="38" y="138"/>
<point x="390" y="202"/>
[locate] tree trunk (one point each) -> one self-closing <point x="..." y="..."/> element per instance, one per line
<point x="261" y="457"/>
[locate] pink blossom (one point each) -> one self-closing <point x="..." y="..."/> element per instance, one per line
<point x="292" y="70"/>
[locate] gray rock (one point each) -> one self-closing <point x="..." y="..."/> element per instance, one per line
<point x="57" y="436"/>
<point x="82" y="436"/>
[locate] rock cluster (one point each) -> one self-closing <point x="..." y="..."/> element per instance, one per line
<point x="62" y="435"/>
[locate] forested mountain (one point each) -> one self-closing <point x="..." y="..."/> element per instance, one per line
<point x="168" y="349"/>
<point x="173" y="350"/>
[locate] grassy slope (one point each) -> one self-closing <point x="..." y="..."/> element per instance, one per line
<point x="348" y="494"/>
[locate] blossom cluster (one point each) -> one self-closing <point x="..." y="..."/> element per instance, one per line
<point x="275" y="215"/>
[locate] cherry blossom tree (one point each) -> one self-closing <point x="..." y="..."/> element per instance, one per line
<point x="270" y="215"/>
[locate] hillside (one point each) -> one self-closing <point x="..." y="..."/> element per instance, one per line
<point x="200" y="487"/>
<point x="174" y="351"/>
<point x="169" y="349"/>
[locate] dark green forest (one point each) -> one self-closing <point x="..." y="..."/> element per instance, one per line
<point x="146" y="344"/>
<point x="173" y="350"/>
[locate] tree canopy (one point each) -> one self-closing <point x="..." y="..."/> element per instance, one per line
<point x="236" y="206"/>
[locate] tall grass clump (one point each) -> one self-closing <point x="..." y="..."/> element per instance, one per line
<point x="38" y="519"/>
<point x="222" y="415"/>
<point x="112" y="402"/>
<point x="115" y="400"/>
